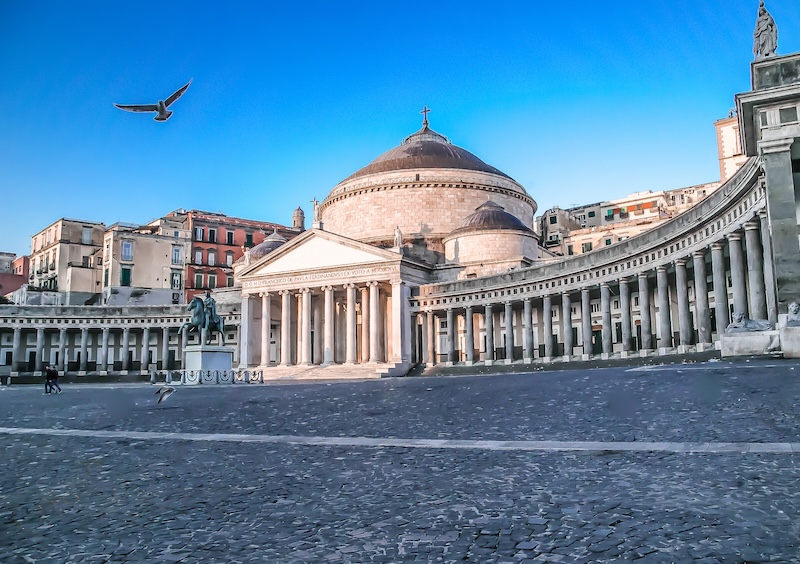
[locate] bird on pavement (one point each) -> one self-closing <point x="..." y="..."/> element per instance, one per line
<point x="162" y="113"/>
<point x="165" y="392"/>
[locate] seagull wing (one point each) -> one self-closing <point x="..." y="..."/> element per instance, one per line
<point x="177" y="94"/>
<point x="138" y="107"/>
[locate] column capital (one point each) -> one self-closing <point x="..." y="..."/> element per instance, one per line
<point x="468" y="308"/>
<point x="681" y="261"/>
<point x="661" y="268"/>
<point x="644" y="274"/>
<point x="586" y="290"/>
<point x="372" y="283"/>
<point x="624" y="280"/>
<point x="752" y="225"/>
<point x="327" y="288"/>
<point x="286" y="292"/>
<point x="604" y="285"/>
<point x="762" y="214"/>
<point x="305" y="290"/>
<point x="775" y="146"/>
<point x="736" y="236"/>
<point x="718" y="246"/>
<point x="701" y="254"/>
<point x="264" y="294"/>
<point x="528" y="300"/>
<point x="348" y="286"/>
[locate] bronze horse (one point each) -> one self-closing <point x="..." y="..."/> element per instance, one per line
<point x="204" y="320"/>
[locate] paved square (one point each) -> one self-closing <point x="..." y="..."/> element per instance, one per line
<point x="685" y="463"/>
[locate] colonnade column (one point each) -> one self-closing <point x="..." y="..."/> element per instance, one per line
<point x="146" y="348"/>
<point x="738" y="273"/>
<point x="719" y="281"/>
<point x="62" y="349"/>
<point x="509" y="320"/>
<point x="126" y="339"/>
<point x="16" y="350"/>
<point x="266" y="326"/>
<point x="625" y="306"/>
<point x="488" y="323"/>
<point x="644" y="312"/>
<point x="469" y="343"/>
<point x="586" y="321"/>
<point x="665" y="320"/>
<point x="769" y="268"/>
<point x="449" y="336"/>
<point x="84" y="347"/>
<point x="364" y="324"/>
<point x="547" y="322"/>
<point x="164" y="348"/>
<point x="755" y="270"/>
<point x="305" y="327"/>
<point x="682" y="291"/>
<point x="102" y="362"/>
<point x="374" y="330"/>
<point x="351" y="347"/>
<point x="328" y="317"/>
<point x="39" y="365"/>
<point x="703" y="320"/>
<point x="244" y="335"/>
<point x="566" y="323"/>
<point x="431" y="349"/>
<point x="286" y="319"/>
<point x="527" y="330"/>
<point x="401" y="323"/>
<point x="605" y="308"/>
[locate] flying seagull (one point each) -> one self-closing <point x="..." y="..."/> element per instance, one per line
<point x="162" y="113"/>
<point x="165" y="392"/>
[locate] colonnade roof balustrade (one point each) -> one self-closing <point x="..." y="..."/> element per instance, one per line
<point x="720" y="214"/>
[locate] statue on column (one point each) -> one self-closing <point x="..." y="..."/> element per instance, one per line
<point x="765" y="37"/>
<point x="398" y="237"/>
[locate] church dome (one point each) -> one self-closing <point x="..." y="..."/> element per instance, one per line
<point x="267" y="245"/>
<point x="490" y="216"/>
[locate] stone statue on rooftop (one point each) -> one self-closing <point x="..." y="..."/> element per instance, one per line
<point x="765" y="37"/>
<point x="398" y="237"/>
<point x="316" y="210"/>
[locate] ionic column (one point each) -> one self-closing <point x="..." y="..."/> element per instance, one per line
<point x="738" y="273"/>
<point x="102" y="362"/>
<point x="769" y="268"/>
<point x="305" y="327"/>
<point x="469" y="339"/>
<point x="328" y="325"/>
<point x="665" y="320"/>
<point x="374" y="323"/>
<point x="719" y="281"/>
<point x="644" y="312"/>
<point x="39" y="365"/>
<point x="682" y="292"/>
<point x="586" y="320"/>
<point x="401" y="323"/>
<point x="605" y="309"/>
<point x="566" y="323"/>
<point x="488" y="323"/>
<point x="547" y="322"/>
<point x="449" y="336"/>
<point x="164" y="347"/>
<point x="145" y="348"/>
<point x="266" y="326"/>
<point x="755" y="270"/>
<point x="84" y="348"/>
<point x="509" y="317"/>
<point x="62" y="349"/>
<point x="245" y="351"/>
<point x="527" y="329"/>
<point x="701" y="298"/>
<point x="286" y="321"/>
<point x="625" y="306"/>
<point x="16" y="350"/>
<point x="126" y="339"/>
<point x="431" y="338"/>
<point x="351" y="347"/>
<point x="364" y="325"/>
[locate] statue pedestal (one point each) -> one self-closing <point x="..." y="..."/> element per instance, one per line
<point x="750" y="343"/>
<point x="209" y="358"/>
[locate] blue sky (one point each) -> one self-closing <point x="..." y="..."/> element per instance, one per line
<point x="579" y="101"/>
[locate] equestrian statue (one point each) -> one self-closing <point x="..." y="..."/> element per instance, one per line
<point x="204" y="319"/>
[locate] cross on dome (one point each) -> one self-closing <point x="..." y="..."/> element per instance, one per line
<point x="424" y="112"/>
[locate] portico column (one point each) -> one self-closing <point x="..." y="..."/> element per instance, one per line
<point x="431" y="337"/>
<point x="364" y="325"/>
<point x="701" y="298"/>
<point x="185" y="342"/>
<point x="605" y="309"/>
<point x="16" y="350"/>
<point x="164" y="348"/>
<point x="39" y="349"/>
<point x="469" y="338"/>
<point x="286" y="334"/>
<point x="328" y="324"/>
<point x="547" y="322"/>
<point x="738" y="274"/>
<point x="644" y="312"/>
<point x="84" y="347"/>
<point x="488" y="323"/>
<point x="625" y="306"/>
<point x="102" y="362"/>
<point x="769" y="268"/>
<point x="126" y="339"/>
<point x="62" y="349"/>
<point x="527" y="330"/>
<point x="719" y="281"/>
<point x="509" y="320"/>
<point x="682" y="292"/>
<point x="306" y="327"/>
<point x="351" y="347"/>
<point x="566" y="323"/>
<point x="243" y="336"/>
<point x="145" y="348"/>
<point x="665" y="320"/>
<point x="374" y="320"/>
<point x="266" y="326"/>
<point x="586" y="320"/>
<point x="449" y="336"/>
<point x="755" y="270"/>
<point x="401" y="323"/>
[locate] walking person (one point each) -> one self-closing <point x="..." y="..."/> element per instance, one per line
<point x="52" y="378"/>
<point x="48" y="379"/>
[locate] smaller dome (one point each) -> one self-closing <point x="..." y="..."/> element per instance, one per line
<point x="267" y="245"/>
<point x="487" y="217"/>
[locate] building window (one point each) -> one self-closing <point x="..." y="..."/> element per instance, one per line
<point x="230" y="281"/>
<point x="105" y="277"/>
<point x="229" y="237"/>
<point x="198" y="256"/>
<point x="198" y="233"/>
<point x="569" y="250"/>
<point x="553" y="220"/>
<point x="586" y="247"/>
<point x="212" y="281"/>
<point x="48" y="236"/>
<point x="212" y="258"/>
<point x="591" y="214"/>
<point x="608" y="242"/>
<point x="176" y="234"/>
<point x="125" y="276"/>
<point x="229" y="258"/>
<point x="86" y="237"/>
<point x="248" y="240"/>
<point x="127" y="250"/>
<point x="175" y="281"/>
<point x="212" y="235"/>
<point x="176" y="255"/>
<point x="198" y="280"/>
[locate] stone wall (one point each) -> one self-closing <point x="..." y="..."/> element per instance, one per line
<point x="490" y="246"/>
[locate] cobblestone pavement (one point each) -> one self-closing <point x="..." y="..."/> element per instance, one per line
<point x="129" y="498"/>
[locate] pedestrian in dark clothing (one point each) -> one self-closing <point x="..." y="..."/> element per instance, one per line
<point x="51" y="383"/>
